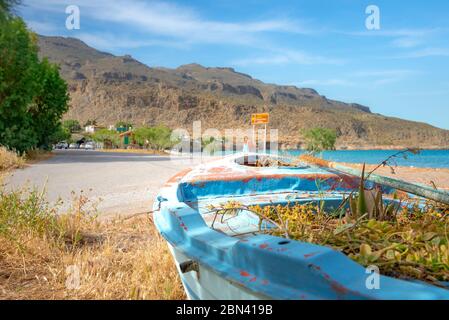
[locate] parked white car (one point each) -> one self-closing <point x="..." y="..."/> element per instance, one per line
<point x="89" y="145"/>
<point x="73" y="146"/>
<point x="62" y="145"/>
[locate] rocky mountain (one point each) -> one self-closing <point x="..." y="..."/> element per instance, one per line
<point x="110" y="88"/>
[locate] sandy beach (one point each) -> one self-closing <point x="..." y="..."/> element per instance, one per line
<point x="438" y="177"/>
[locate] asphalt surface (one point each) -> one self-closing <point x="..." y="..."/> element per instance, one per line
<point x="114" y="183"/>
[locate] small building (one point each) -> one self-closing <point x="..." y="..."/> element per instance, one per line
<point x="93" y="128"/>
<point x="122" y="129"/>
<point x="127" y="139"/>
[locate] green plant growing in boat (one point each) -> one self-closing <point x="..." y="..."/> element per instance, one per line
<point x="321" y="195"/>
<point x="413" y="245"/>
<point x="391" y="160"/>
<point x="372" y="203"/>
<point x="404" y="238"/>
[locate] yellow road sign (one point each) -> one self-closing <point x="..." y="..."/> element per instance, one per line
<point x="260" y="118"/>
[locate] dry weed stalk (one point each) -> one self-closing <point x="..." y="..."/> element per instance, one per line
<point x="41" y="251"/>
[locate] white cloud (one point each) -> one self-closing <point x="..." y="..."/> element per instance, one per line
<point x="411" y="38"/>
<point x="326" y="83"/>
<point x="407" y="42"/>
<point x="342" y="82"/>
<point x="170" y="20"/>
<point x="402" y="38"/>
<point x="159" y="23"/>
<point x="105" y="41"/>
<point x="44" y="28"/>
<point x="393" y="33"/>
<point x="282" y="57"/>
<point x="443" y="92"/>
<point x="364" y="78"/>
<point x="394" y="73"/>
<point x="427" y="52"/>
<point x="382" y="77"/>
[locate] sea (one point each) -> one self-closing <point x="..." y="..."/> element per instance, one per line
<point x="425" y="158"/>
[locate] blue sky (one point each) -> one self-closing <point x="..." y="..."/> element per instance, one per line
<point x="400" y="70"/>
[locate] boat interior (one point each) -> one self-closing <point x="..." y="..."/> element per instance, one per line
<point x="250" y="181"/>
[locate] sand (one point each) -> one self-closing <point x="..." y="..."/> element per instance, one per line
<point x="426" y="176"/>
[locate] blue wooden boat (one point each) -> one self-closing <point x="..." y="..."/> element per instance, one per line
<point x="229" y="258"/>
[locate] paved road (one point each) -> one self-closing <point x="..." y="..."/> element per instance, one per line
<point x="119" y="183"/>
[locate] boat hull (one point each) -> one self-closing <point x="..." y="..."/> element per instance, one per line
<point x="232" y="260"/>
<point x="206" y="284"/>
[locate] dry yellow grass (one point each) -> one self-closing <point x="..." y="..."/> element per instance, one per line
<point x="78" y="257"/>
<point x="36" y="155"/>
<point x="10" y="160"/>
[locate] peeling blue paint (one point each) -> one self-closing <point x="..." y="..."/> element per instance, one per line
<point x="260" y="266"/>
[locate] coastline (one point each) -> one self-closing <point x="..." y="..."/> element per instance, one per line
<point x="431" y="177"/>
<point x="426" y="158"/>
<point x="387" y="148"/>
<point x="287" y="147"/>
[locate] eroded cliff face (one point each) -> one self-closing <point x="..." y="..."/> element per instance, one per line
<point x="109" y="89"/>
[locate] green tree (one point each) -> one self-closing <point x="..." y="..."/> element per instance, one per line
<point x="49" y="104"/>
<point x="7" y="5"/>
<point x="109" y="138"/>
<point x="18" y="68"/>
<point x="61" y="134"/>
<point x="156" y="138"/>
<point x="319" y="139"/>
<point x="162" y="138"/>
<point x="143" y="135"/>
<point x="33" y="97"/>
<point x="6" y="8"/>
<point x="72" y="125"/>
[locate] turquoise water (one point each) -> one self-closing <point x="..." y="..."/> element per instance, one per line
<point x="426" y="158"/>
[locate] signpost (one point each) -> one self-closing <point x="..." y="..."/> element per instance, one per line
<point x="260" y="118"/>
